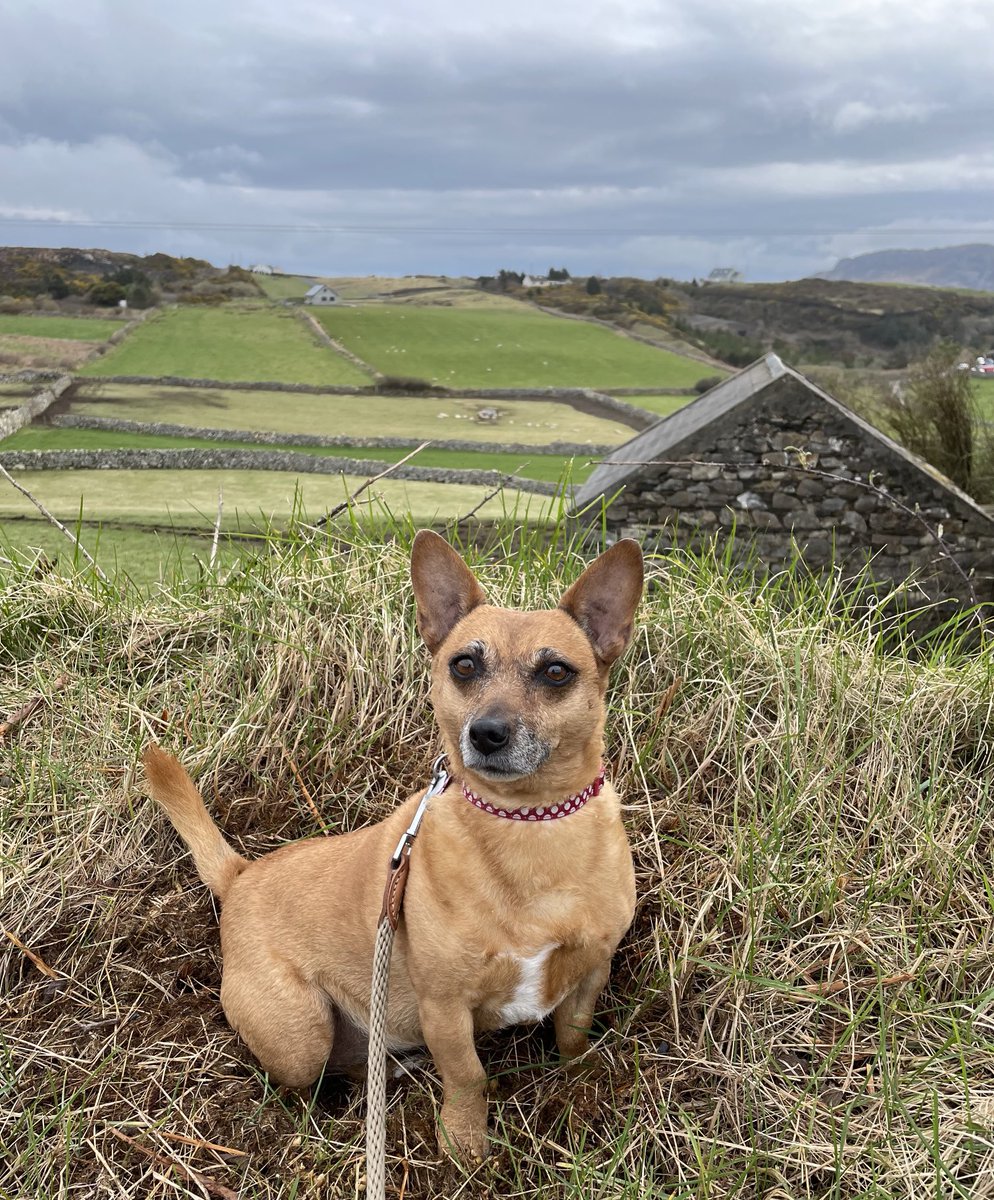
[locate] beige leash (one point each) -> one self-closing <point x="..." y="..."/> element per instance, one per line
<point x="376" y="1079"/>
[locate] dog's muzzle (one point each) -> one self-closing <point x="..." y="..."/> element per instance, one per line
<point x="497" y="749"/>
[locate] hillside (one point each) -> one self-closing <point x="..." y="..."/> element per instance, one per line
<point x="68" y="273"/>
<point x="809" y="321"/>
<point x="832" y="321"/>
<point x="969" y="266"/>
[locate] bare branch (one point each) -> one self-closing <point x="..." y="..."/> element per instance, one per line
<point x="217" y="525"/>
<point x="29" y="707"/>
<point x="332" y="513"/>
<point x="56" y="522"/>
<point x="504" y="481"/>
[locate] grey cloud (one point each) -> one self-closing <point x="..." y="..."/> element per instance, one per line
<point x="644" y="120"/>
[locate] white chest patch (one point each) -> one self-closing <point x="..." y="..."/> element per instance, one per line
<point x="526" y="1002"/>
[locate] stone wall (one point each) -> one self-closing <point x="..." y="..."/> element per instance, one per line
<point x="251" y="460"/>
<point x="318" y="331"/>
<point x="786" y="469"/>
<point x="136" y="318"/>
<point x="12" y="419"/>
<point x="29" y="375"/>
<point x="241" y="385"/>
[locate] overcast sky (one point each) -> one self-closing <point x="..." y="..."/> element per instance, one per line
<point x="646" y="137"/>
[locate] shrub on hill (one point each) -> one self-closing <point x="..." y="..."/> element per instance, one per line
<point x="853" y="324"/>
<point x="407" y="383"/>
<point x="723" y="344"/>
<point x="934" y="414"/>
<point x="107" y="294"/>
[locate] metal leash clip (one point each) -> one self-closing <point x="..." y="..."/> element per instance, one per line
<point x="439" y="782"/>
<point x="393" y="893"/>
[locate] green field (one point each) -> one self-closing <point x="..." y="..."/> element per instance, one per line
<point x="76" y="329"/>
<point x="983" y="391"/>
<point x="251" y="498"/>
<point x="502" y="348"/>
<point x="157" y="524"/>
<point x="351" y="288"/>
<point x="236" y="342"/>
<point x="663" y="405"/>
<point x="142" y="555"/>
<point x="461" y="332"/>
<point x="284" y="287"/>
<point x="547" y="467"/>
<point x="418" y="417"/>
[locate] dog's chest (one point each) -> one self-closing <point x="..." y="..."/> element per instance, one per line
<point x="529" y="1000"/>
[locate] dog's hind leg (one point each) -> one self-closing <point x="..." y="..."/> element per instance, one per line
<point x="287" y="1024"/>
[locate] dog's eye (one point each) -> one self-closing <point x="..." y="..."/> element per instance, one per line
<point x="558" y="673"/>
<point x="463" y="667"/>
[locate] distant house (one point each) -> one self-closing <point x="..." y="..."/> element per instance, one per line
<point x="320" y="293"/>
<point x="261" y="269"/>
<point x="725" y="275"/>
<point x="541" y="281"/>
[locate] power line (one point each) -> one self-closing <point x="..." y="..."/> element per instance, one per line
<point x="503" y="230"/>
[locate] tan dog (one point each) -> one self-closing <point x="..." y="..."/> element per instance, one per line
<point x="521" y="882"/>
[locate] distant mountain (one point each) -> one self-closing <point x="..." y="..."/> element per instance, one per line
<point x="951" y="266"/>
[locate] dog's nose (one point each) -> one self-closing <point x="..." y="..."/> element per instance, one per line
<point x="489" y="734"/>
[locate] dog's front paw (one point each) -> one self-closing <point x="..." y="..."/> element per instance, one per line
<point x="591" y="1064"/>
<point x="462" y="1134"/>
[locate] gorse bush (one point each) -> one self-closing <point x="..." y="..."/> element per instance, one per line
<point x="935" y="415"/>
<point x="801" y="1009"/>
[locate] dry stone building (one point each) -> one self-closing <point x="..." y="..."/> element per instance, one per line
<point x="772" y="462"/>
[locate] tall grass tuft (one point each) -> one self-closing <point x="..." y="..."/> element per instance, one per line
<point x="803" y="1005"/>
<point x="936" y="415"/>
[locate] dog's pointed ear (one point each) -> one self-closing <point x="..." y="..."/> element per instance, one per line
<point x="444" y="587"/>
<point x="604" y="599"/>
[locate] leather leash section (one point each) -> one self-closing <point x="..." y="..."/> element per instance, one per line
<point x="386" y="927"/>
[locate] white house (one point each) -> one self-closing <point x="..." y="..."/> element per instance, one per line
<point x="725" y="275"/>
<point x="541" y="281"/>
<point x="261" y="269"/>
<point x="320" y="293"/>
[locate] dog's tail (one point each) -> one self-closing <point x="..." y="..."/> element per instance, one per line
<point x="216" y="862"/>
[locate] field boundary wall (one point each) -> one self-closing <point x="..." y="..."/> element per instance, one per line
<point x="119" y="335"/>
<point x="325" y="338"/>
<point x="252" y="460"/>
<point x="13" y="419"/>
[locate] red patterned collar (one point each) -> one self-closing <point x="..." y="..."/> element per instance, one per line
<point x="547" y="812"/>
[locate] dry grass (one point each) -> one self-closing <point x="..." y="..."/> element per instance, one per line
<point x="803" y="1005"/>
<point x="19" y="352"/>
